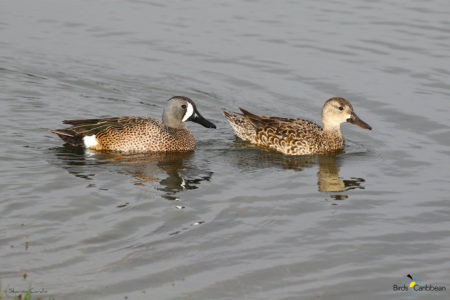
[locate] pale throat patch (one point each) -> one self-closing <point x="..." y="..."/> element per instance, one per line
<point x="189" y="112"/>
<point x="90" y="141"/>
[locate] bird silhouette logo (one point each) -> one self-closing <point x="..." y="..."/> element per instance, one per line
<point x="413" y="281"/>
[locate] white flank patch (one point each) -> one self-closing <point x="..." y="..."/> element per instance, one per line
<point x="189" y="112"/>
<point x="90" y="141"/>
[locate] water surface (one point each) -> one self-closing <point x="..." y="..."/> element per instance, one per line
<point x="228" y="221"/>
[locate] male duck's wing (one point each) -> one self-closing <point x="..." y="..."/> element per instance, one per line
<point x="93" y="126"/>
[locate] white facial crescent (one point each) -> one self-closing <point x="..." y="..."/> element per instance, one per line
<point x="189" y="112"/>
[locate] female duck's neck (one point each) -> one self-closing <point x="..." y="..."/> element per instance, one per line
<point x="334" y="137"/>
<point x="332" y="129"/>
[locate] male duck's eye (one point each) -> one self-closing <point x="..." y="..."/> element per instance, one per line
<point x="341" y="108"/>
<point x="183" y="106"/>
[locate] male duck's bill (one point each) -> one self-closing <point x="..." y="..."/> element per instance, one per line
<point x="196" y="117"/>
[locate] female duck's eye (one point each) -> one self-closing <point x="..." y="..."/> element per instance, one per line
<point x="341" y="108"/>
<point x="183" y="106"/>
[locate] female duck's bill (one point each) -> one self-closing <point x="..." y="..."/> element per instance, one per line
<point x="354" y="119"/>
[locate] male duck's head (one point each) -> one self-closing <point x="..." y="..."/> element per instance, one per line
<point x="180" y="109"/>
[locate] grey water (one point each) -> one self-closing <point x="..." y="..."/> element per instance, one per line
<point x="228" y="221"/>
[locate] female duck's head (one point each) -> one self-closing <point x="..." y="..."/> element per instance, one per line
<point x="338" y="110"/>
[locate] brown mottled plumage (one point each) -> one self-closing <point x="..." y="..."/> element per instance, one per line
<point x="138" y="134"/>
<point x="297" y="136"/>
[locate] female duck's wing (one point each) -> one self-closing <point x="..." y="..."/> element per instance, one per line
<point x="278" y="122"/>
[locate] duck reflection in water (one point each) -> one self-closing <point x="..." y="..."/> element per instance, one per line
<point x="328" y="174"/>
<point x="180" y="173"/>
<point x="329" y="180"/>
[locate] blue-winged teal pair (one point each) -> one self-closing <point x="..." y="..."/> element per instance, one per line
<point x="142" y="134"/>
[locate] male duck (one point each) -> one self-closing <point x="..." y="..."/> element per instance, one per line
<point x="297" y="136"/>
<point x="138" y="134"/>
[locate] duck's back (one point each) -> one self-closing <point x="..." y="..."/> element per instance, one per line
<point x="287" y="135"/>
<point x="144" y="135"/>
<point x="127" y="134"/>
<point x="291" y="136"/>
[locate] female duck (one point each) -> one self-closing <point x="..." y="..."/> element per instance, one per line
<point x="138" y="134"/>
<point x="297" y="136"/>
